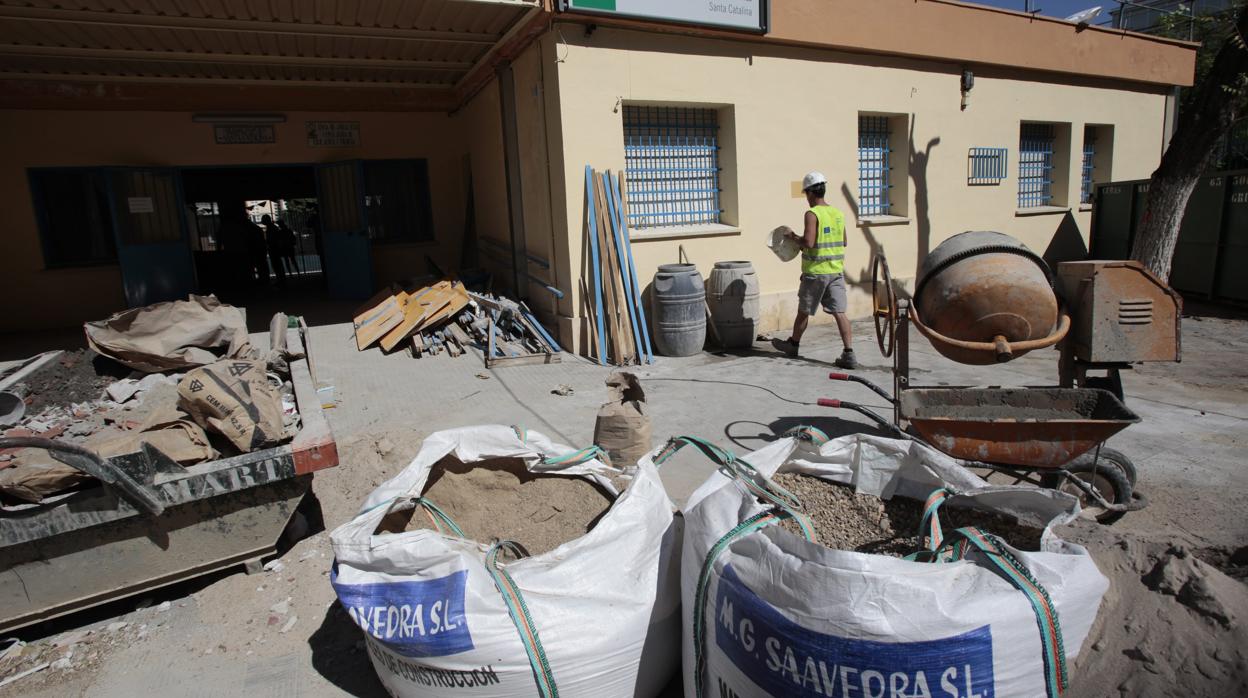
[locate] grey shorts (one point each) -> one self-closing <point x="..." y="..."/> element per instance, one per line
<point x="827" y="290"/>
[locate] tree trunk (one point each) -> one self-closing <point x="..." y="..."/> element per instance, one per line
<point x="1205" y="119"/>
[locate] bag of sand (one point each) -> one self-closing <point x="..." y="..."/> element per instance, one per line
<point x="592" y="612"/>
<point x="770" y="612"/>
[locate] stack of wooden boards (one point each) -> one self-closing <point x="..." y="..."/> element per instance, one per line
<point x="620" y="334"/>
<point x="445" y="316"/>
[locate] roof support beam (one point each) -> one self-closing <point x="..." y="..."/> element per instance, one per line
<point x="22" y="92"/>
<point x="191" y="82"/>
<point x="142" y="21"/>
<point x="229" y="58"/>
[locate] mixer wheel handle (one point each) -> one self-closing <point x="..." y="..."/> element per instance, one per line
<point x="884" y="305"/>
<point x="1063" y="326"/>
<point x="1004" y="353"/>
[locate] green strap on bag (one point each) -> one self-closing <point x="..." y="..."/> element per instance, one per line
<point x="543" y="676"/>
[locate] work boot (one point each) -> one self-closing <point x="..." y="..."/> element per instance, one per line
<point x="847" y="360"/>
<point x="787" y="346"/>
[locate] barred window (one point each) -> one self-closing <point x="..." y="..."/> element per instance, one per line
<point x="1035" y="165"/>
<point x="671" y="156"/>
<point x="874" y="170"/>
<point x="75" y="223"/>
<point x="1089" y="159"/>
<point x="397" y="199"/>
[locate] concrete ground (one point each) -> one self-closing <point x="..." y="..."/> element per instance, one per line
<point x="1187" y="450"/>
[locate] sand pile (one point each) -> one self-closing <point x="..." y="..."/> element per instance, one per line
<point x="500" y="499"/>
<point x="865" y="523"/>
<point x="1171" y="624"/>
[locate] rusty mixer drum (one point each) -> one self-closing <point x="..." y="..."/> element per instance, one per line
<point x="982" y="297"/>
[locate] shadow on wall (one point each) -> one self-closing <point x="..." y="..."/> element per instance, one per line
<point x="1067" y="244"/>
<point x="919" y="160"/>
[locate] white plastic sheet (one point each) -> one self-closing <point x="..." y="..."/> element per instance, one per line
<point x="785" y="616"/>
<point x="605" y="604"/>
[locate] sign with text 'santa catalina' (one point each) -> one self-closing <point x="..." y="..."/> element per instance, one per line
<point x="750" y="15"/>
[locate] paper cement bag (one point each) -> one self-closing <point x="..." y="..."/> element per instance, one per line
<point x="234" y="399"/>
<point x="623" y="425"/>
<point x="34" y="474"/>
<point x="174" y="335"/>
<point x="168" y="431"/>
<point x="604" y="605"/>
<point x="783" y="616"/>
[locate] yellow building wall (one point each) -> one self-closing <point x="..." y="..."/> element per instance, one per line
<point x="538" y="134"/>
<point x="482" y="126"/>
<point x="794" y="110"/>
<point x="36" y="297"/>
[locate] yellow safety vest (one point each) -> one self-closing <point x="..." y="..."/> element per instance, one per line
<point x="828" y="254"/>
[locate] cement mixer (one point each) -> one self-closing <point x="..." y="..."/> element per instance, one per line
<point x="984" y="297"/>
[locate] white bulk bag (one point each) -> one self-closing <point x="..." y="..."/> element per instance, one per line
<point x="436" y="624"/>
<point x="784" y="616"/>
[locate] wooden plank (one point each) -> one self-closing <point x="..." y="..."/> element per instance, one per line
<point x="610" y="304"/>
<point x="610" y="350"/>
<point x="591" y="317"/>
<point x="617" y="313"/>
<point x="624" y="196"/>
<point x="616" y="209"/>
<point x="381" y="314"/>
<point x="591" y="228"/>
<point x="522" y="360"/>
<point x="419" y="305"/>
<point x="456" y="302"/>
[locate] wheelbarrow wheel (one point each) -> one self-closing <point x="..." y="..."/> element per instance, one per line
<point x="884" y="299"/>
<point x="1111" y="476"/>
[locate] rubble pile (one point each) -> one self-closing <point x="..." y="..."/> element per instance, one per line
<point x="156" y="377"/>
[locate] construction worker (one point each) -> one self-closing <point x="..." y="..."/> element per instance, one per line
<point x="823" y="269"/>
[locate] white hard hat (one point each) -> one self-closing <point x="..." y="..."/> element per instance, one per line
<point x="812" y="178"/>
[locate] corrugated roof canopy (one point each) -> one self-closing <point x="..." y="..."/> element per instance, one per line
<point x="392" y="43"/>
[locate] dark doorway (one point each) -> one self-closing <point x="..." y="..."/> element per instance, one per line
<point x="255" y="233"/>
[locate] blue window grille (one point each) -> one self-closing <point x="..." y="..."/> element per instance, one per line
<point x="1035" y="165"/>
<point x="671" y="155"/>
<point x="1089" y="156"/>
<point x="986" y="165"/>
<point x="874" y="172"/>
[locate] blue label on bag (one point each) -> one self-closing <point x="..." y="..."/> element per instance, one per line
<point x="415" y="619"/>
<point x="786" y="659"/>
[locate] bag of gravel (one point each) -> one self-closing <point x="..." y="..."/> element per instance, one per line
<point x="587" y="614"/>
<point x="767" y="611"/>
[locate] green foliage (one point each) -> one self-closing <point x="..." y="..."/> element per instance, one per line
<point x="1214" y="31"/>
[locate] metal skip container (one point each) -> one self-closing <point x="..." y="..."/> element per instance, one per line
<point x="732" y="293"/>
<point x="680" y="315"/>
<point x="983" y="297"/>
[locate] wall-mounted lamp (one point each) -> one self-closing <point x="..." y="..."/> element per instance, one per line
<point x="238" y="118"/>
<point x="968" y="81"/>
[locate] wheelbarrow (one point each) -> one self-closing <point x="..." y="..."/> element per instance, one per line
<point x="1052" y="437"/>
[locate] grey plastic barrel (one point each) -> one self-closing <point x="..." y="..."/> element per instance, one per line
<point x="732" y="292"/>
<point x="679" y="305"/>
